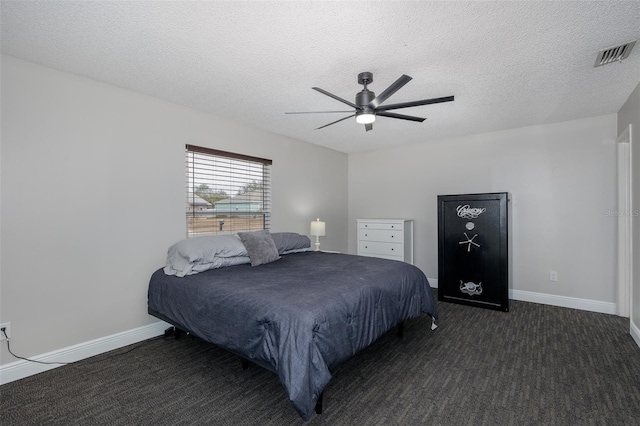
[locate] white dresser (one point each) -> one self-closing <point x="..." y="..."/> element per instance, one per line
<point x="386" y="238"/>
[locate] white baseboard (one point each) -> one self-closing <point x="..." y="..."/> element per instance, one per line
<point x="551" y="299"/>
<point x="635" y="332"/>
<point x="21" y="369"/>
<point x="564" y="301"/>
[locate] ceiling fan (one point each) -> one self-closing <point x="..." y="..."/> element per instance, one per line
<point x="368" y="105"/>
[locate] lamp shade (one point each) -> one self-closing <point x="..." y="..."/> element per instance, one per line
<point x="317" y="228"/>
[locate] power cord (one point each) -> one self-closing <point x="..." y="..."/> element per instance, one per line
<point x="3" y="330"/>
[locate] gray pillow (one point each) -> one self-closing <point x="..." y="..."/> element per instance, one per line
<point x="290" y="242"/>
<point x="260" y="247"/>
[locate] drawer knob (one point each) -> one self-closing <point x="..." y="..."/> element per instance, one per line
<point x="391" y="249"/>
<point x="366" y="235"/>
<point x="392" y="236"/>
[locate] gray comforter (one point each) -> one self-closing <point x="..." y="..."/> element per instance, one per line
<point x="299" y="316"/>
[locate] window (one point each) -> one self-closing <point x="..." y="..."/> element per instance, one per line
<point x="226" y="192"/>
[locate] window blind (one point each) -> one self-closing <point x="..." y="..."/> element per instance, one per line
<point x="226" y="192"/>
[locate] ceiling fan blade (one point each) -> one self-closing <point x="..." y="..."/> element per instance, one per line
<point x="415" y="103"/>
<point x="368" y="126"/>
<point x="400" y="116"/>
<point x="316" y="112"/>
<point x="397" y="85"/>
<point x="337" y="98"/>
<point x="337" y="121"/>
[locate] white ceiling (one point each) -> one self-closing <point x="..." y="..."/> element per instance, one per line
<point x="508" y="64"/>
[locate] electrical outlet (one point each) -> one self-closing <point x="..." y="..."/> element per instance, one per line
<point x="7" y="330"/>
<point x="553" y="276"/>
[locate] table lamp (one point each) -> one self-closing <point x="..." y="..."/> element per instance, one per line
<point x="317" y="230"/>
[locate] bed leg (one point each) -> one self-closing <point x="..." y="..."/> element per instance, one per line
<point x="319" y="404"/>
<point x="173" y="331"/>
<point x="401" y="329"/>
<point x="245" y="364"/>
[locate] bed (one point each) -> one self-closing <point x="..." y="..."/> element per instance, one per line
<point x="299" y="315"/>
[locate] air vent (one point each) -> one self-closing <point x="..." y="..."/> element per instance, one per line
<point x="615" y="53"/>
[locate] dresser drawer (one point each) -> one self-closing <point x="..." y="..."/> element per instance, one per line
<point x="391" y="226"/>
<point x="383" y="256"/>
<point x="383" y="235"/>
<point x="386" y="238"/>
<point x="379" y="248"/>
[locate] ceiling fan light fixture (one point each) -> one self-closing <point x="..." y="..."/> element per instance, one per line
<point x="368" y="105"/>
<point x="365" y="117"/>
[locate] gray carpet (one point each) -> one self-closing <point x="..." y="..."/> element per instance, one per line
<point x="535" y="365"/>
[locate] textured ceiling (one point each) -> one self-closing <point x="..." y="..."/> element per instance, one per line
<point x="508" y="64"/>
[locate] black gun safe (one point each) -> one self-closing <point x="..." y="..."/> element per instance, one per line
<point x="473" y="250"/>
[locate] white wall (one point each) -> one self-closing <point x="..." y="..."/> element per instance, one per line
<point x="92" y="184"/>
<point x="562" y="181"/>
<point x="630" y="114"/>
